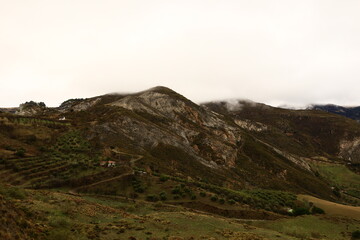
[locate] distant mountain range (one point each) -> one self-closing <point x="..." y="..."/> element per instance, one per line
<point x="350" y="112"/>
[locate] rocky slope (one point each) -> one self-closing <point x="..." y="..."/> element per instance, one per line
<point x="238" y="145"/>
<point x="305" y="133"/>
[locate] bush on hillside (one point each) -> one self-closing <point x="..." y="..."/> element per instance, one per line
<point x="336" y="192"/>
<point x="214" y="198"/>
<point x="164" y="178"/>
<point x="300" y="211"/>
<point x="20" y="153"/>
<point x="163" y="196"/>
<point x="202" y="194"/>
<point x="176" y="190"/>
<point x="152" y="198"/>
<point x="355" y="234"/>
<point x="316" y="210"/>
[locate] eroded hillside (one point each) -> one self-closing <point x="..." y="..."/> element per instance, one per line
<point x="242" y="160"/>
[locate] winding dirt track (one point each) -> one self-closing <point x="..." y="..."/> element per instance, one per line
<point x="333" y="209"/>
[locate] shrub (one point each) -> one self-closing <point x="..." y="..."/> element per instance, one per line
<point x="134" y="195"/>
<point x="214" y="198"/>
<point x="221" y="200"/>
<point x="164" y="178"/>
<point x="9" y="148"/>
<point x="139" y="189"/>
<point x="355" y="234"/>
<point x="202" y="194"/>
<point x="316" y="210"/>
<point x="176" y="190"/>
<point x="301" y="211"/>
<point x="138" y="186"/>
<point x="336" y="191"/>
<point x="20" y="152"/>
<point x="231" y="201"/>
<point x="163" y="196"/>
<point x="176" y="197"/>
<point x="152" y="198"/>
<point x="193" y="197"/>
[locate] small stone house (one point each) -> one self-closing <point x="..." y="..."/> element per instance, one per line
<point x="108" y="163"/>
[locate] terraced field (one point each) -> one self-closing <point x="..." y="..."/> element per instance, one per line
<point x="37" y="121"/>
<point x="44" y="170"/>
<point x="69" y="158"/>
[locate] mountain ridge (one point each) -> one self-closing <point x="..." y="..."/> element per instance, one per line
<point x="242" y="160"/>
<point x="350" y="112"/>
<point x="159" y="118"/>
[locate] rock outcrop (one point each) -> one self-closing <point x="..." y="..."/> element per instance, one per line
<point x="178" y="122"/>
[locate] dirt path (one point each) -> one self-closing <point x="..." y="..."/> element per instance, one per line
<point x="333" y="209"/>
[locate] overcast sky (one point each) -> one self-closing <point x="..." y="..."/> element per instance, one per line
<point x="277" y="52"/>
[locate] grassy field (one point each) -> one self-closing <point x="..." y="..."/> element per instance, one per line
<point x="333" y="209"/>
<point x="61" y="215"/>
<point x="65" y="216"/>
<point x="313" y="227"/>
<point x="340" y="176"/>
<point x="198" y="195"/>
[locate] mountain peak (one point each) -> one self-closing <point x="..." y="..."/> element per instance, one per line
<point x="161" y="89"/>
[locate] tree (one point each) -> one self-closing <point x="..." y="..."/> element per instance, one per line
<point x="20" y="152"/>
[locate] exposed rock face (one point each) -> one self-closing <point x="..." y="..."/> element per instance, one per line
<point x="300" y="161"/>
<point x="31" y="108"/>
<point x="350" y="150"/>
<point x="251" y="126"/>
<point x="77" y="105"/>
<point x="160" y="117"/>
<point x="192" y="128"/>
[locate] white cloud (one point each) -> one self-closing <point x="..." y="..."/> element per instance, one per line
<point x="283" y="51"/>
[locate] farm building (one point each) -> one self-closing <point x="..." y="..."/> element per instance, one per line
<point x="108" y="163"/>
